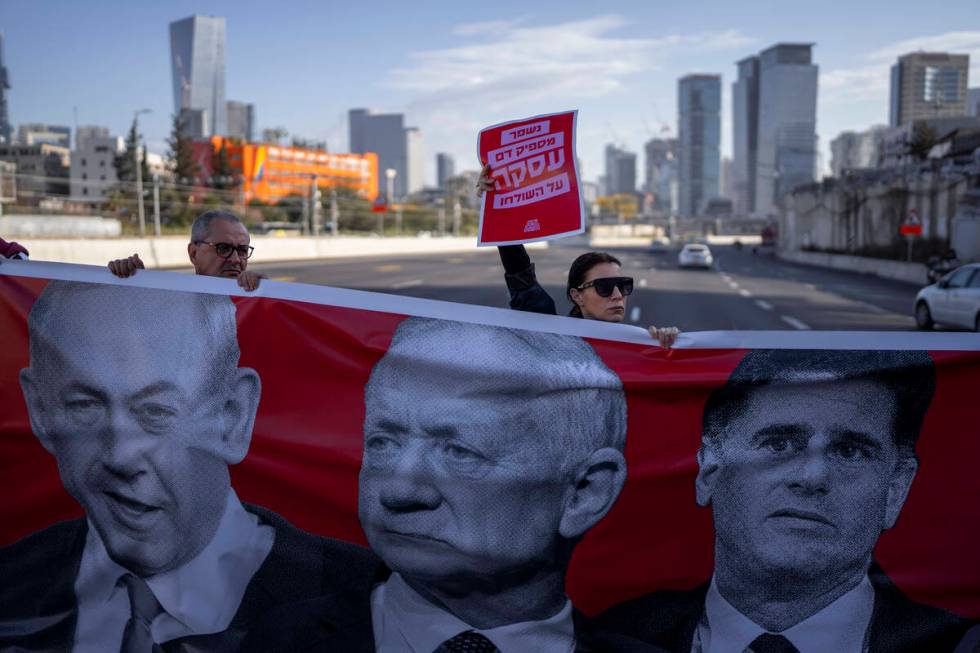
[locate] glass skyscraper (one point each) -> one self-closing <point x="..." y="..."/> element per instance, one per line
<point x="197" y="58"/>
<point x="699" y="141"/>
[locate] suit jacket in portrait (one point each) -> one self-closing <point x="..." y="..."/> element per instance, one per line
<point x="898" y="625"/>
<point x="38" y="611"/>
<point x="328" y="624"/>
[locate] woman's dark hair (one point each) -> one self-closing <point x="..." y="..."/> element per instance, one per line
<point x="580" y="268"/>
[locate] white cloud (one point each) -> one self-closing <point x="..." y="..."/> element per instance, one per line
<point x="508" y="68"/>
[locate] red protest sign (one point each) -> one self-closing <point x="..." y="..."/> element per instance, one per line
<point x="536" y="192"/>
<point x="912" y="225"/>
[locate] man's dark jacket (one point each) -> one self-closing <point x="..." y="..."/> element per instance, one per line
<point x="898" y="625"/>
<point x="38" y="611"/>
<point x="331" y="624"/>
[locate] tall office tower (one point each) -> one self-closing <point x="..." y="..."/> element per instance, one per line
<point x="4" y="87"/>
<point x="37" y="133"/>
<point x="852" y="150"/>
<point x="928" y="85"/>
<point x="745" y="134"/>
<point x="415" y="155"/>
<point x="973" y="102"/>
<point x="445" y="168"/>
<point x="699" y="141"/>
<point x="398" y="147"/>
<point x="197" y="58"/>
<point x="661" y="172"/>
<point x="787" y="130"/>
<point x="620" y="171"/>
<point x="241" y="120"/>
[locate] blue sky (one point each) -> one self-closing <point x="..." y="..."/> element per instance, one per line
<point x="454" y="67"/>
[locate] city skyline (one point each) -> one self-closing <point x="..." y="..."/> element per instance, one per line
<point x="451" y="71"/>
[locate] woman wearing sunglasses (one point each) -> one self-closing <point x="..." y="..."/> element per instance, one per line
<point x="595" y="287"/>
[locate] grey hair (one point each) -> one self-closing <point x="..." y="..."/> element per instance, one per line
<point x="574" y="404"/>
<point x="201" y="228"/>
<point x="217" y="319"/>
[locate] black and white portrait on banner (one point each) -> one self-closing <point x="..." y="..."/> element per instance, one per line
<point x="138" y="395"/>
<point x="806" y="457"/>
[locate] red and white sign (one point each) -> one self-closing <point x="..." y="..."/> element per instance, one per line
<point x="536" y="192"/>
<point x="912" y="225"/>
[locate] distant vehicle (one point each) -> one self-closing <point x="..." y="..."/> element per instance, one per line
<point x="276" y="228"/>
<point x="952" y="301"/>
<point x="660" y="245"/>
<point x="939" y="267"/>
<point x="695" y="255"/>
<point x="738" y="245"/>
<point x="768" y="244"/>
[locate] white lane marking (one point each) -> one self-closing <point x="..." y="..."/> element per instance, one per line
<point x="809" y="286"/>
<point x="635" y="314"/>
<point x="727" y="278"/>
<point x="873" y="308"/>
<point x="793" y="322"/>
<point x="744" y="293"/>
<point x="407" y="284"/>
<point x="763" y="304"/>
<point x="733" y="285"/>
<point x="643" y="283"/>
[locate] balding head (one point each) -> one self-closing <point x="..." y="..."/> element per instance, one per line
<point x="488" y="453"/>
<point x="138" y="395"/>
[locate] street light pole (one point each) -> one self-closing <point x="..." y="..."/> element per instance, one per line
<point x="390" y="174"/>
<point x="139" y="170"/>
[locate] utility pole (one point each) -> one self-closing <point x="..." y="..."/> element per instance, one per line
<point x="315" y="198"/>
<point x="139" y="169"/>
<point x="442" y="216"/>
<point x="390" y="174"/>
<point x="334" y="214"/>
<point x="457" y="216"/>
<point x="156" y="204"/>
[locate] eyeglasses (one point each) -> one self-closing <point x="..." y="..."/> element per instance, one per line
<point x="224" y="250"/>
<point x="604" y="286"/>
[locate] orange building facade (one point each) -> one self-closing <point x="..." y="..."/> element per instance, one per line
<point x="271" y="172"/>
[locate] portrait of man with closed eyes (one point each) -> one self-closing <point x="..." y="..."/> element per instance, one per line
<point x="806" y="457"/>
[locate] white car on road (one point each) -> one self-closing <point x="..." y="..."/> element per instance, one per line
<point x="952" y="301"/>
<point x="695" y="255"/>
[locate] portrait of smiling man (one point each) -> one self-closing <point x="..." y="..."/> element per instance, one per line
<point x="806" y="457"/>
<point x="144" y="413"/>
<point x="488" y="454"/>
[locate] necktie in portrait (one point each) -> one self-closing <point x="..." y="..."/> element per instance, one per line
<point x="467" y="642"/>
<point x="770" y="643"/>
<point x="144" y="607"/>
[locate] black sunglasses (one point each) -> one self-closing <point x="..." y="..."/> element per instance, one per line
<point x="224" y="250"/>
<point x="604" y="286"/>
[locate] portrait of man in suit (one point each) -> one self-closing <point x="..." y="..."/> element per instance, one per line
<point x="488" y="454"/>
<point x="138" y="395"/>
<point x="806" y="457"/>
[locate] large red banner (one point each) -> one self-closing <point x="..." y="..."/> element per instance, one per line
<point x="536" y="193"/>
<point x="423" y="431"/>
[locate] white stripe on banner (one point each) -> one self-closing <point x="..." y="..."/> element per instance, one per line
<point x="401" y="305"/>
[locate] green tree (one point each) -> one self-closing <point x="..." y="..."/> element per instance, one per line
<point x="181" y="153"/>
<point x="223" y="176"/>
<point x="923" y="139"/>
<point x="125" y="163"/>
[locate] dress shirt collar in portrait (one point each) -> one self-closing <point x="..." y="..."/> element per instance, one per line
<point x="198" y="598"/>
<point x="839" y="627"/>
<point x="405" y="621"/>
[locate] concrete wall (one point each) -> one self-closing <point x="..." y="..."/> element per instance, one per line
<point x="171" y="252"/>
<point x="909" y="272"/>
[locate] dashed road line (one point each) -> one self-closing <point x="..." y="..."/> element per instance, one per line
<point x="793" y="322"/>
<point x="388" y="267"/>
<point x="643" y="283"/>
<point x="407" y="284"/>
<point x="733" y="285"/>
<point x="763" y="304"/>
<point x="635" y="314"/>
<point x="744" y="293"/>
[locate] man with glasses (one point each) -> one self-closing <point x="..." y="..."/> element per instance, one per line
<point x="219" y="247"/>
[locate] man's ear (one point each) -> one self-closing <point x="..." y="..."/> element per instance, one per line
<point x="192" y="252"/>
<point x="35" y="408"/>
<point x="898" y="488"/>
<point x="592" y="492"/>
<point x="708" y="466"/>
<point x="238" y="414"/>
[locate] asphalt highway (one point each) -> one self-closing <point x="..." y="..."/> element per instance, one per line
<point x="742" y="291"/>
